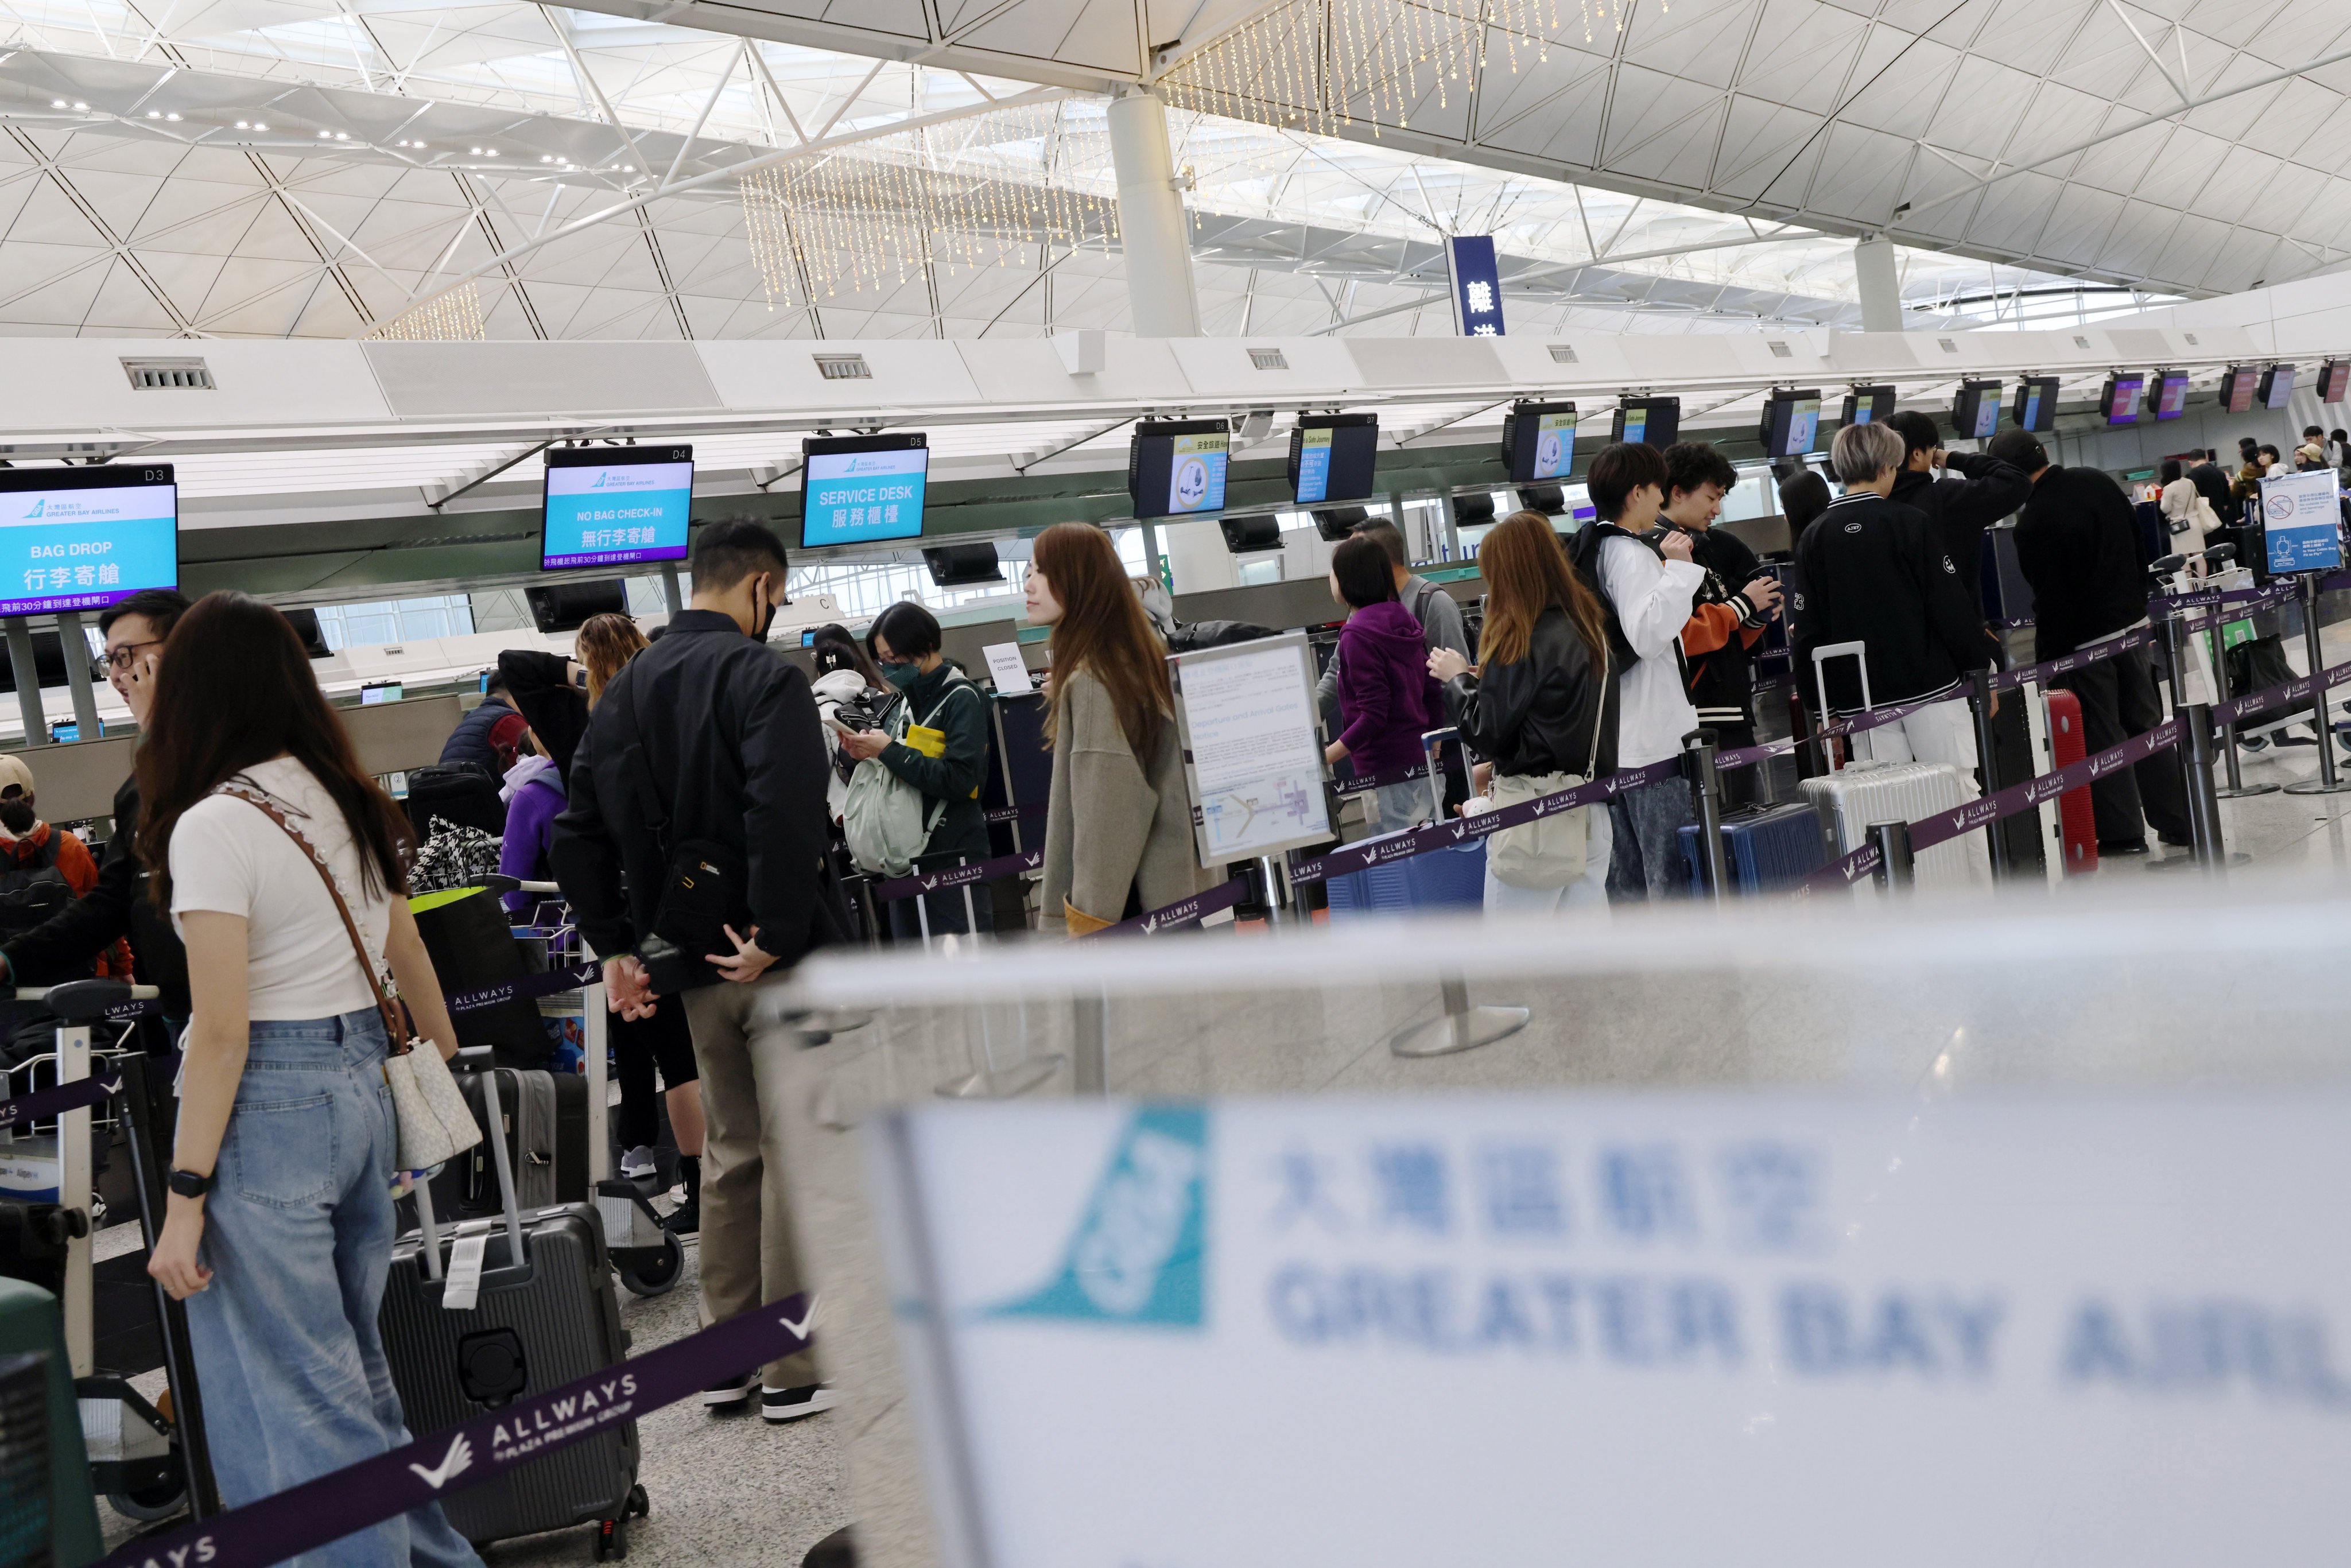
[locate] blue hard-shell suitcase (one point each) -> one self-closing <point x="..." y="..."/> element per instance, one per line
<point x="1767" y="847"/>
<point x="1450" y="878"/>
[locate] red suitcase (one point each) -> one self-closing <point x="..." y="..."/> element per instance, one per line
<point x="2077" y="822"/>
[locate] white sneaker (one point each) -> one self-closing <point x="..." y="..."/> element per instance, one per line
<point x="637" y="1164"/>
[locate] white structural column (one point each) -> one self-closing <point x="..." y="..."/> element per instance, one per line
<point x="1881" y="290"/>
<point x="1151" y="224"/>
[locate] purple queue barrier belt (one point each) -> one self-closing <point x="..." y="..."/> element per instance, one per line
<point x="1182" y="912"/>
<point x="1014" y="813"/>
<point x="42" y="1104"/>
<point x="317" y="1512"/>
<point x="955" y="876"/>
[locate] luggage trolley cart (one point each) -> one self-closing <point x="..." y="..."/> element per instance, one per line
<point x="149" y="1466"/>
<point x="649" y="1259"/>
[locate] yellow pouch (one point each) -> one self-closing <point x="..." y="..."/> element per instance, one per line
<point x="931" y="743"/>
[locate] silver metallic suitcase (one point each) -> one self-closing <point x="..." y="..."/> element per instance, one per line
<point x="1861" y="793"/>
<point x="545" y="1321"/>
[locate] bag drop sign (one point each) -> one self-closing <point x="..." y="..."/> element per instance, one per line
<point x="1660" y="1329"/>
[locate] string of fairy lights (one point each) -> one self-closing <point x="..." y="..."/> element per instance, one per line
<point x="1320" y="65"/>
<point x="985" y="194"/>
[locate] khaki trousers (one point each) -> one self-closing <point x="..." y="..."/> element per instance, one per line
<point x="749" y="1257"/>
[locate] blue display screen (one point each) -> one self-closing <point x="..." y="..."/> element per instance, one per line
<point x="612" y="510"/>
<point x="858" y="497"/>
<point x="83" y="541"/>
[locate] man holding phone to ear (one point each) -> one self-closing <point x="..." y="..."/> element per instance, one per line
<point x="702" y="775"/>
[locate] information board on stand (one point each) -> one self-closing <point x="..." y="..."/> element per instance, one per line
<point x="1680" y="1328"/>
<point x="1252" y="748"/>
<point x="2301" y="521"/>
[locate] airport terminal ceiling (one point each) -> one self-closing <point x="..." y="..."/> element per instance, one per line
<point x="901" y="169"/>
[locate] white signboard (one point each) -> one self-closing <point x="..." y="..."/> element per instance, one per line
<point x="1657" y="1329"/>
<point x="1004" y="662"/>
<point x="2301" y="521"/>
<point x="1252" y="748"/>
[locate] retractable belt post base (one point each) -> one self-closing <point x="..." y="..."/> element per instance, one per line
<point x="1461" y="1028"/>
<point x="2328" y="782"/>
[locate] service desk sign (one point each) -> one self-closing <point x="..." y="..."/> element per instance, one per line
<point x="2301" y="518"/>
<point x="1655" y="1329"/>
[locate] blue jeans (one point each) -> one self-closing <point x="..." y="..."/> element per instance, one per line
<point x="1646" y="861"/>
<point x="298" y="1232"/>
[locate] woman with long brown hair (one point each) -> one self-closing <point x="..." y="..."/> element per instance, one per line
<point x="284" y="866"/>
<point x="1118" y="823"/>
<point x="602" y="644"/>
<point x="1542" y="705"/>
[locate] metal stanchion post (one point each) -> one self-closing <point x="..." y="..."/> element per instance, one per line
<point x="1894" y="872"/>
<point x="1705" y="796"/>
<point x="1461" y="1027"/>
<point x="1276" y="891"/>
<point x="2236" y="789"/>
<point x="2203" y="803"/>
<point x="179" y="1351"/>
<point x="1980" y="700"/>
<point x="2328" y="782"/>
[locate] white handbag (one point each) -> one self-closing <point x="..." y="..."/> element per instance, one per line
<point x="430" y="1115"/>
<point x="1549" y="851"/>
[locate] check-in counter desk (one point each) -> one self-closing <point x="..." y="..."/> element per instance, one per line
<point x="2036" y="995"/>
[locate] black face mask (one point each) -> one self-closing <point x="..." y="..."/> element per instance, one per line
<point x="766" y="622"/>
<point x="17" y="816"/>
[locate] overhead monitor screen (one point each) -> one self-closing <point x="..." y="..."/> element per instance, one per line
<point x="1975" y="413"/>
<point x="609" y="505"/>
<point x="2236" y="389"/>
<point x="1791" y="424"/>
<point x="81" y="538"/>
<point x="2121" y="397"/>
<point x="1175" y="467"/>
<point x="863" y="489"/>
<point x="2333" y="380"/>
<point x="1331" y="456"/>
<point x="1650" y="421"/>
<point x="2036" y="403"/>
<point x="2277" y="386"/>
<point x="1539" y="442"/>
<point x="2168" y="397"/>
<point x="1868" y="405"/>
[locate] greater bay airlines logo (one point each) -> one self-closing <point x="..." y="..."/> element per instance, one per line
<point x="1139" y="1254"/>
<point x="40" y="508"/>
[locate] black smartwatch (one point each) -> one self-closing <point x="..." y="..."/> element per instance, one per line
<point x="188" y="1184"/>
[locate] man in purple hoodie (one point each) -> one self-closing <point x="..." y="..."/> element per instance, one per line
<point x="1387" y="699"/>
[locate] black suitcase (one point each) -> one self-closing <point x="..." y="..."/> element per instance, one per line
<point x="545" y="1319"/>
<point x="548" y="1169"/>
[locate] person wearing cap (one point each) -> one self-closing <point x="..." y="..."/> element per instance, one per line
<point x="473" y="743"/>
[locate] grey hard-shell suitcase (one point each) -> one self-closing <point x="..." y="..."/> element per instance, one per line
<point x="546" y="1320"/>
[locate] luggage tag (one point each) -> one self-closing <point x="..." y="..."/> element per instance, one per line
<point x="463" y="1285"/>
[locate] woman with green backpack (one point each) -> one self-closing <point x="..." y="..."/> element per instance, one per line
<point x="937" y="742"/>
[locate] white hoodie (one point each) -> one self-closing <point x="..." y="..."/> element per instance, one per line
<point x="831" y="690"/>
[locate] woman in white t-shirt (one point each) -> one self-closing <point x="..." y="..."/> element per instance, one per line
<point x="279" y="1230"/>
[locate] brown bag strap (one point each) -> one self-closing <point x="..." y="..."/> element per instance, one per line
<point x="395" y="1031"/>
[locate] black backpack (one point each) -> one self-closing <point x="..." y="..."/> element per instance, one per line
<point x="31" y="893"/>
<point x="1584" y="554"/>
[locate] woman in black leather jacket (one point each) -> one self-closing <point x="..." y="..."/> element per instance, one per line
<point x="1541" y="707"/>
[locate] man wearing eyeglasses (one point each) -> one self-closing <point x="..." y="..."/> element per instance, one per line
<point x="64" y="946"/>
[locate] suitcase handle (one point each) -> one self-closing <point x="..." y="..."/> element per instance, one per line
<point x="1859" y="653"/>
<point x="472" y="1056"/>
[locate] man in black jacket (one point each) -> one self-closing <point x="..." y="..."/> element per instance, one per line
<point x="2077" y="545"/>
<point x="64" y="946"/>
<point x="2211" y="482"/>
<point x="1876" y="572"/>
<point x="1729" y="611"/>
<point x="701" y="780"/>
<point x="1961" y="509"/>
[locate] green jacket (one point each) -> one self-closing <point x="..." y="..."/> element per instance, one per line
<point x="956" y="775"/>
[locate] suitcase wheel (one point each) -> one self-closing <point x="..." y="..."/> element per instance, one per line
<point x="612" y="1535"/>
<point x="661" y="1274"/>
